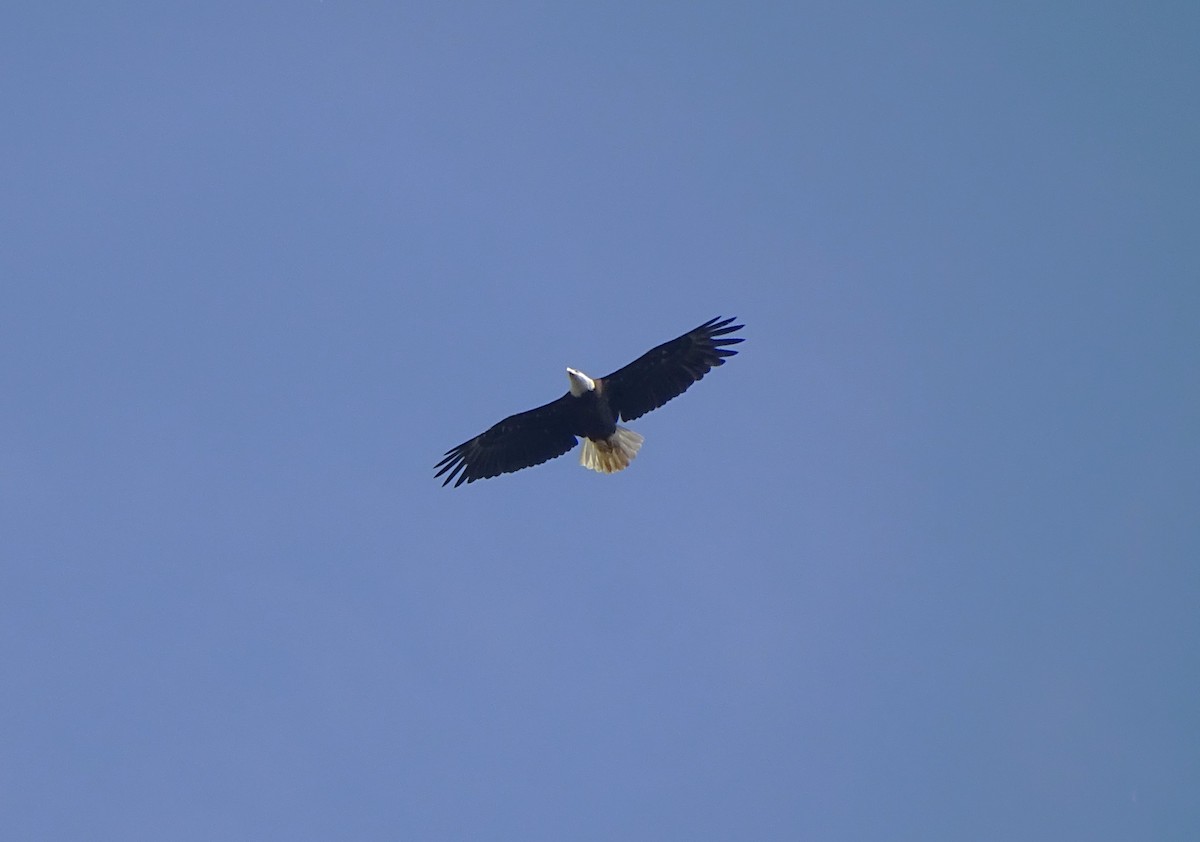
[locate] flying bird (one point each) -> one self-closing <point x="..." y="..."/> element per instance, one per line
<point x="591" y="409"/>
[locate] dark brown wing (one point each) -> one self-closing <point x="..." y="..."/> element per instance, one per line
<point x="519" y="441"/>
<point x="666" y="372"/>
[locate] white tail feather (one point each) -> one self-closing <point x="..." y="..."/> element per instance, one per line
<point x="613" y="454"/>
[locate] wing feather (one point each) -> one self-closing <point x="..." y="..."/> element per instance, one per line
<point x="667" y="371"/>
<point x="519" y="441"/>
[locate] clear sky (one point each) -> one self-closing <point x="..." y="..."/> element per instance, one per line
<point x="920" y="563"/>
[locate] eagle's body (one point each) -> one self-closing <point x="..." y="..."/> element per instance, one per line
<point x="591" y="409"/>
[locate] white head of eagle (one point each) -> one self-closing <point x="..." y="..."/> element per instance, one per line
<point x="580" y="383"/>
<point x="591" y="409"/>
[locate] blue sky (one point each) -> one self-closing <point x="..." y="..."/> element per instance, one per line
<point x="919" y="563"/>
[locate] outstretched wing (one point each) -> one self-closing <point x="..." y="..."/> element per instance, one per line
<point x="519" y="441"/>
<point x="666" y="371"/>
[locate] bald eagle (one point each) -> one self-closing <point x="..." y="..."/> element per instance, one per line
<point x="591" y="409"/>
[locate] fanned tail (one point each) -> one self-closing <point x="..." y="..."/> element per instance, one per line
<point x="612" y="454"/>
